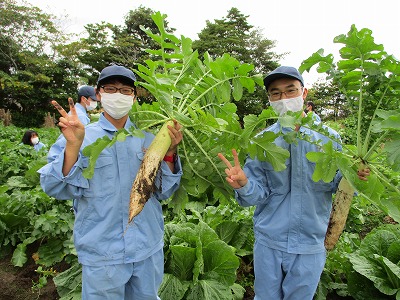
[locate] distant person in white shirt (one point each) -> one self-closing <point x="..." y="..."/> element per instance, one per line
<point x="87" y="101"/>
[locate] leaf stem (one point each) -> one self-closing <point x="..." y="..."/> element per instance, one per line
<point x="155" y="123"/>
<point x="384" y="179"/>
<point x="190" y="135"/>
<point x="209" y="89"/>
<point x="367" y="137"/>
<point x="191" y="165"/>
<point x="360" y="102"/>
<point x="191" y="91"/>
<point x="375" y="145"/>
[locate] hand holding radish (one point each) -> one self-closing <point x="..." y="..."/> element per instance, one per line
<point x="176" y="137"/>
<point x="363" y="174"/>
<point x="235" y="174"/>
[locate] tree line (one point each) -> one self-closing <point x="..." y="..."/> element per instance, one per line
<point x="39" y="62"/>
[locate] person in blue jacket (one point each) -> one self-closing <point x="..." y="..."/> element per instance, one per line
<point x="119" y="260"/>
<point x="87" y="101"/>
<point x="310" y="107"/>
<point x="31" y="138"/>
<point x="292" y="211"/>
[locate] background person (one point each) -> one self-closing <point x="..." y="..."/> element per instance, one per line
<point x="119" y="262"/>
<point x="87" y="101"/>
<point x="292" y="211"/>
<point x="310" y="107"/>
<point x="31" y="138"/>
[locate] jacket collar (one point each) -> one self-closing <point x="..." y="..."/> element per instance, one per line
<point x="107" y="126"/>
<point x="302" y="129"/>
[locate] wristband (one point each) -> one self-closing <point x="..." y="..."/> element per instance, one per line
<point x="171" y="158"/>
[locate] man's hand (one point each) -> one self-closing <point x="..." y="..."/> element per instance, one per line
<point x="235" y="174"/>
<point x="71" y="127"/>
<point x="176" y="137"/>
<point x="73" y="131"/>
<point x="363" y="174"/>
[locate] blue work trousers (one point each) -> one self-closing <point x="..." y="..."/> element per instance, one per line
<point x="134" y="281"/>
<point x="286" y="276"/>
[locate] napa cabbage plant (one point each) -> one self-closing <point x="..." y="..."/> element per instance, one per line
<point x="199" y="264"/>
<point x="377" y="261"/>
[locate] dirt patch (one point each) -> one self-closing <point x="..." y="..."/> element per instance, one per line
<point x="16" y="283"/>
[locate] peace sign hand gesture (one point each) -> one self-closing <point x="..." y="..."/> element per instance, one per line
<point x="71" y="127"/>
<point x="73" y="131"/>
<point x="235" y="174"/>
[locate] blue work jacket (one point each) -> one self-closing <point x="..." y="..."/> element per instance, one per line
<point x="316" y="117"/>
<point x="102" y="235"/>
<point x="39" y="146"/>
<point x="82" y="114"/>
<point x="292" y="211"/>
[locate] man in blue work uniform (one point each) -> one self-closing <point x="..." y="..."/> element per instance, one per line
<point x="292" y="211"/>
<point x="119" y="260"/>
<point x="87" y="101"/>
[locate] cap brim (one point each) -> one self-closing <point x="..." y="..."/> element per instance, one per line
<point x="92" y="96"/>
<point x="269" y="79"/>
<point x="110" y="77"/>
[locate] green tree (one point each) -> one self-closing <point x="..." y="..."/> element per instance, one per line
<point x="32" y="71"/>
<point x="95" y="51"/>
<point x="107" y="44"/>
<point x="226" y="35"/>
<point x="329" y="101"/>
<point x="138" y="40"/>
<point x="234" y="35"/>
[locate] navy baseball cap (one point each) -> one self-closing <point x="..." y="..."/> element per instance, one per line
<point x="283" y="72"/>
<point x="116" y="71"/>
<point x="87" y="91"/>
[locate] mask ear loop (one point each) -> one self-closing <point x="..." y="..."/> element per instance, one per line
<point x="87" y="102"/>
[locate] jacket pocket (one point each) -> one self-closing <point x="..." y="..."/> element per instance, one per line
<point x="103" y="179"/>
<point x="320" y="185"/>
<point x="278" y="182"/>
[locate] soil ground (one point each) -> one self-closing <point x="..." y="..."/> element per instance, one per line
<point x="16" y="283"/>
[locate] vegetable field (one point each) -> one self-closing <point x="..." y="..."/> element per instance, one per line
<point x="208" y="237"/>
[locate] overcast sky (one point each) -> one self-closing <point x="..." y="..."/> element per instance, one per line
<point x="298" y="27"/>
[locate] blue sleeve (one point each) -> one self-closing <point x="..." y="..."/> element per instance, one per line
<point x="257" y="189"/>
<point x="39" y="146"/>
<point x="170" y="181"/>
<point x="52" y="180"/>
<point x="338" y="176"/>
<point x="317" y="118"/>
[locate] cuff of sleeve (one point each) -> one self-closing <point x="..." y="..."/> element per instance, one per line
<point x="170" y="178"/>
<point x="73" y="175"/>
<point x="244" y="189"/>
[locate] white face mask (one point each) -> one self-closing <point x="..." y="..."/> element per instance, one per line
<point x="116" y="105"/>
<point x="92" y="105"/>
<point x="35" y="140"/>
<point x="284" y="105"/>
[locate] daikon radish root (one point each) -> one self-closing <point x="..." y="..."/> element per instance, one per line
<point x="144" y="184"/>
<point x="340" y="210"/>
